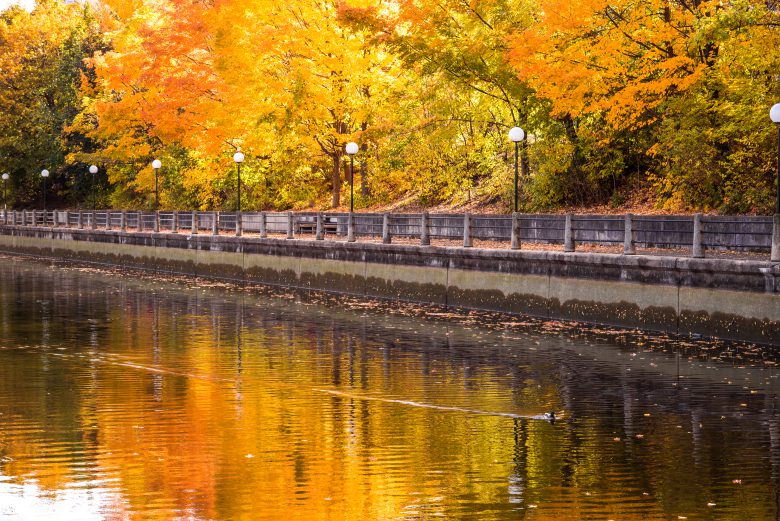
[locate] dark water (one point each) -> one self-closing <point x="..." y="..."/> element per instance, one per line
<point x="127" y="398"/>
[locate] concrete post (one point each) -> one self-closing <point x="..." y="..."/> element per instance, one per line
<point x="13" y="217"/>
<point x="628" y="235"/>
<point x="214" y="223"/>
<point x="516" y="242"/>
<point x="140" y="222"/>
<point x="351" y="227"/>
<point x="568" y="234"/>
<point x="34" y="218"/>
<point x="55" y="218"/>
<point x="80" y="220"/>
<point x="123" y="221"/>
<point x="175" y="223"/>
<point x="108" y="220"/>
<point x="467" y="230"/>
<point x="290" y="225"/>
<point x="263" y="226"/>
<point x="320" y="233"/>
<point x="93" y="223"/>
<point x="156" y="221"/>
<point x="387" y="238"/>
<point x="239" y="225"/>
<point x="775" y="238"/>
<point x="698" y="247"/>
<point x="67" y="218"/>
<point x="194" y="224"/>
<point x="425" y="238"/>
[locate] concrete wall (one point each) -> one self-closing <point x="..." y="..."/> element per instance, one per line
<point x="725" y="298"/>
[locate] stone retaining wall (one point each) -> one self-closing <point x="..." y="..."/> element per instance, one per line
<point x="714" y="297"/>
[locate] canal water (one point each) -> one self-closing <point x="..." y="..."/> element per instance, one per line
<point x="125" y="397"/>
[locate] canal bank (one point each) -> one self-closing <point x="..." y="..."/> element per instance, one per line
<point x="732" y="299"/>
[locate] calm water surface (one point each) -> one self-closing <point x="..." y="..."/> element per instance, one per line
<point x="124" y="398"/>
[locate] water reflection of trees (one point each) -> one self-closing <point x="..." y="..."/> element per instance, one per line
<point x="202" y="401"/>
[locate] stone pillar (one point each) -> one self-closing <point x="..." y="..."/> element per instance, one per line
<point x="351" y="227"/>
<point x="108" y="220"/>
<point x="140" y="222"/>
<point x="214" y="223"/>
<point x="320" y="233"/>
<point x="516" y="242"/>
<point x="175" y="225"/>
<point x="698" y="247"/>
<point x="156" y="221"/>
<point x="239" y="225"/>
<point x="263" y="225"/>
<point x="290" y="225"/>
<point x="467" y="230"/>
<point x="123" y="221"/>
<point x="13" y="217"/>
<point x="775" y="238"/>
<point x="34" y="218"/>
<point x="425" y="238"/>
<point x="387" y="238"/>
<point x="55" y="221"/>
<point x="568" y="234"/>
<point x="93" y="223"/>
<point x="628" y="235"/>
<point x="194" y="224"/>
<point x="67" y="218"/>
<point x="80" y="220"/>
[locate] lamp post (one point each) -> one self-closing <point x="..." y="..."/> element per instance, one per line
<point x="156" y="164"/>
<point x="5" y="179"/>
<point x="774" y="115"/>
<point x="93" y="170"/>
<point x="44" y="175"/>
<point x="238" y="158"/>
<point x="516" y="135"/>
<point x="352" y="149"/>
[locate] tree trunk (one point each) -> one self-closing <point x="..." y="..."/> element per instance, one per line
<point x="336" y="200"/>
<point x="365" y="191"/>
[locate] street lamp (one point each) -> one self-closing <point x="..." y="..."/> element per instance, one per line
<point x="93" y="170"/>
<point x="44" y="175"/>
<point x="5" y="178"/>
<point x="156" y="164"/>
<point x="238" y="157"/>
<point x="516" y="135"/>
<point x="774" y="115"/>
<point x="352" y="149"/>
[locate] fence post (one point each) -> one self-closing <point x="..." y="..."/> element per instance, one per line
<point x="628" y="235"/>
<point x="123" y="221"/>
<point x="214" y="223"/>
<point x="263" y="226"/>
<point x="290" y="225"/>
<point x="13" y="217"/>
<point x="55" y="218"/>
<point x="698" y="247"/>
<point x="67" y="218"/>
<point x="175" y="222"/>
<point x="194" y="224"/>
<point x="516" y="241"/>
<point x="568" y="235"/>
<point x="775" y="238"/>
<point x="33" y="218"/>
<point x="387" y="238"/>
<point x="466" y="230"/>
<point x="156" y="221"/>
<point x="319" y="235"/>
<point x="108" y="220"/>
<point x="139" y="224"/>
<point x="425" y="238"/>
<point x="350" y="227"/>
<point x="93" y="223"/>
<point x="239" y="224"/>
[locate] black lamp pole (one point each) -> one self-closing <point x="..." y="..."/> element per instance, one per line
<point x="517" y="156"/>
<point x="351" y="182"/>
<point x="777" y="202"/>
<point x="238" y="170"/>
